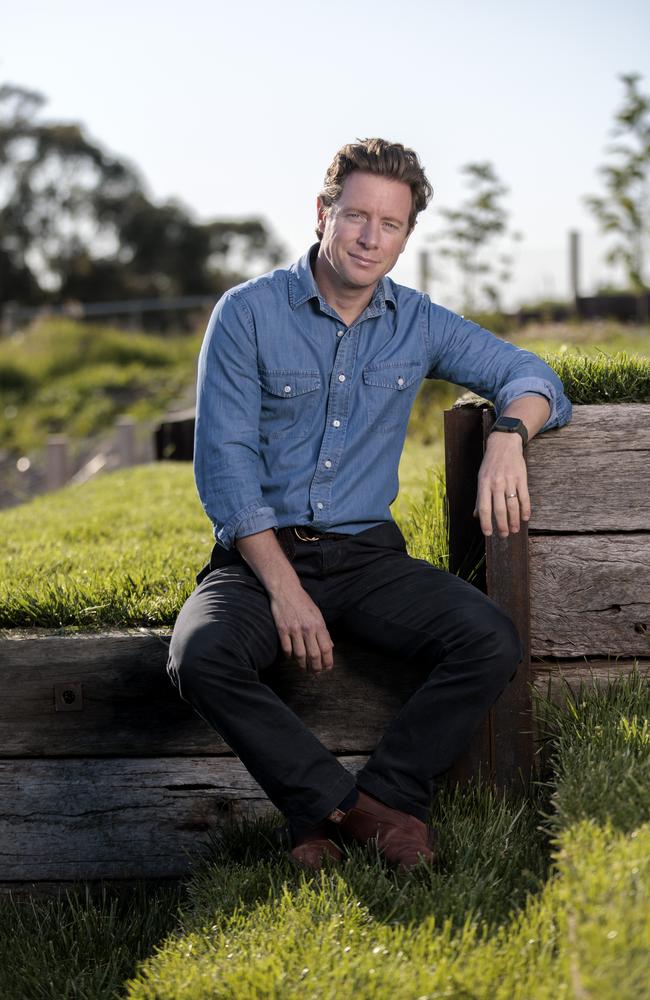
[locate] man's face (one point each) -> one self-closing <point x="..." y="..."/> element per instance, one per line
<point x="365" y="231"/>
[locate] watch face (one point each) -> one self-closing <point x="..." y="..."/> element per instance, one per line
<point x="511" y="423"/>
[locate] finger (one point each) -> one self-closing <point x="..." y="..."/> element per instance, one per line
<point x="298" y="650"/>
<point x="285" y="643"/>
<point x="484" y="509"/>
<point x="524" y="501"/>
<point x="512" y="508"/>
<point x="500" y="512"/>
<point x="326" y="649"/>
<point x="314" y="663"/>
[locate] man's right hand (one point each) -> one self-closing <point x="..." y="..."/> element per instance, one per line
<point x="302" y="630"/>
<point x="301" y="627"/>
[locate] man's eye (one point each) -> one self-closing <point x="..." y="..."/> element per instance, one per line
<point x="390" y="225"/>
<point x="354" y="215"/>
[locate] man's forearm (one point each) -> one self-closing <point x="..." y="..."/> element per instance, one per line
<point x="265" y="556"/>
<point x="533" y="410"/>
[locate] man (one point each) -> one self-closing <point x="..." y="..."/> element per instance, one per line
<point x="306" y="380"/>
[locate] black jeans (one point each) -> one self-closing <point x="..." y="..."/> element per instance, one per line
<point x="225" y="636"/>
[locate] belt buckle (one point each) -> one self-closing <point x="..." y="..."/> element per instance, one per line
<point x="305" y="537"/>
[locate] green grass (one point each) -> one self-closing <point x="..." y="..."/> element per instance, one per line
<point x="583" y="338"/>
<point x="533" y="899"/>
<point x="120" y="550"/>
<point x="124" y="550"/>
<point x="83" y="945"/>
<point x="603" y="378"/>
<point x="62" y="376"/>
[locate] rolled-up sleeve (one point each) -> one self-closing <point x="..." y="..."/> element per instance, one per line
<point x="464" y="353"/>
<point x="226" y="444"/>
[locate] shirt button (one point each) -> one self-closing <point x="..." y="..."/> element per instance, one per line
<point x="328" y="464"/>
<point x="319" y="505"/>
<point x="336" y="423"/>
<point x="341" y="378"/>
<point x="400" y="381"/>
<point x="340" y="333"/>
<point x="287" y="388"/>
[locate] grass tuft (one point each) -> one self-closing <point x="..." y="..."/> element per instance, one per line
<point x="82" y="945"/>
<point x="603" y="378"/>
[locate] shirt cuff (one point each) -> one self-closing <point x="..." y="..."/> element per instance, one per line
<point x="560" y="405"/>
<point x="248" y="521"/>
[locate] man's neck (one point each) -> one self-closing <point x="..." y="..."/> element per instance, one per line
<point x="348" y="302"/>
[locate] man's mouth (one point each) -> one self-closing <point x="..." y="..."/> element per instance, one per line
<point x="363" y="260"/>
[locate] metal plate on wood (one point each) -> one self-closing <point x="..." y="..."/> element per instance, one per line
<point x="68" y="697"/>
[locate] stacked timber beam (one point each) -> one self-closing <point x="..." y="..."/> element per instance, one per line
<point x="106" y="774"/>
<point x="577" y="581"/>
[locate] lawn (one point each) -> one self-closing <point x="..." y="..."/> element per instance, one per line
<point x="533" y="899"/>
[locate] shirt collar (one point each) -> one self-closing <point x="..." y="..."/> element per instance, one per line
<point x="303" y="287"/>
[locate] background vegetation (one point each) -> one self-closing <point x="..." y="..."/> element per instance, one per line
<point x="76" y="222"/>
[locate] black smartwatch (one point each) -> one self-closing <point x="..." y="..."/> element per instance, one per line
<point x="511" y="425"/>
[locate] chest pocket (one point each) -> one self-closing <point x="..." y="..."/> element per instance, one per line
<point x="289" y="400"/>
<point x="389" y="391"/>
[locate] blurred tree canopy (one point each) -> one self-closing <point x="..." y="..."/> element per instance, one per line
<point x="468" y="238"/>
<point x="76" y="222"/>
<point x="623" y="212"/>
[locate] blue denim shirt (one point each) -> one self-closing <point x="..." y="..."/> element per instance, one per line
<point x="301" y="419"/>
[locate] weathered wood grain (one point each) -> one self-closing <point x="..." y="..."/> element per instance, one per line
<point x="552" y="680"/>
<point x="590" y="595"/>
<point x="129" y="706"/>
<point x="593" y="474"/>
<point x="120" y="818"/>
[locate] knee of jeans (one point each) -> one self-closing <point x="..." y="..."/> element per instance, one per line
<point x="510" y="650"/>
<point x="194" y="659"/>
<point x="499" y="639"/>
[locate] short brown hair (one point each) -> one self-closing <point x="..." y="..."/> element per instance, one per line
<point x="378" y="156"/>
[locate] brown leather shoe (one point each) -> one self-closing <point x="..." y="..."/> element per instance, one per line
<point x="312" y="849"/>
<point x="402" y="839"/>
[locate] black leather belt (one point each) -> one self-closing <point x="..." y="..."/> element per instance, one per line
<point x="306" y="534"/>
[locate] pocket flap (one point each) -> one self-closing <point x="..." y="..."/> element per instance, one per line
<point x="395" y="375"/>
<point x="287" y="384"/>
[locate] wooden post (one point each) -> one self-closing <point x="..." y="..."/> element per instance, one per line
<point x="56" y="474"/>
<point x="125" y="432"/>
<point x="463" y="456"/>
<point x="511" y="720"/>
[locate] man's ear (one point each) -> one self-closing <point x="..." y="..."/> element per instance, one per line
<point x="406" y="239"/>
<point x="321" y="215"/>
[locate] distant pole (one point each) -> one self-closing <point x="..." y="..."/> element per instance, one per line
<point x="574" y="266"/>
<point x="424" y="271"/>
<point x="125" y="429"/>
<point x="56" y="473"/>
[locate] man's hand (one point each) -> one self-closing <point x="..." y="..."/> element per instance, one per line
<point x="301" y="627"/>
<point x="503" y="479"/>
<point x="503" y="486"/>
<point x="302" y="630"/>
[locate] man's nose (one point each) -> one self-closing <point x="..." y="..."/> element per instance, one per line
<point x="369" y="235"/>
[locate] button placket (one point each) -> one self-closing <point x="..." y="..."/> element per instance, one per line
<point x="333" y="440"/>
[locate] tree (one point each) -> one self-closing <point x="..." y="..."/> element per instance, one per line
<point x="470" y="236"/>
<point x="76" y="221"/>
<point x="623" y="212"/>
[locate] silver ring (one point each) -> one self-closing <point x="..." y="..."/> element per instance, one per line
<point x="510" y="496"/>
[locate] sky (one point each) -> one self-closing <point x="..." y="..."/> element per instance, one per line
<point x="237" y="108"/>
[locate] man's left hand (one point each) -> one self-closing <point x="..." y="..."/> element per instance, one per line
<point x="502" y="496"/>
